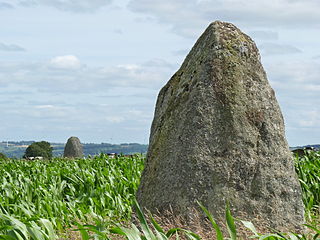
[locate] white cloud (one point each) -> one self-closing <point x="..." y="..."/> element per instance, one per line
<point x="264" y="35"/>
<point x="11" y="47"/>
<point x="187" y="17"/>
<point x="311" y="119"/>
<point x="300" y="74"/>
<point x="115" y="119"/>
<point x="297" y="87"/>
<point x="270" y="48"/>
<point x="48" y="111"/>
<point x="152" y="74"/>
<point x="97" y="103"/>
<point x="117" y="31"/>
<point x="68" y="75"/>
<point x="4" y="5"/>
<point x="69" y="5"/>
<point x="65" y="62"/>
<point x="45" y="106"/>
<point x="181" y="52"/>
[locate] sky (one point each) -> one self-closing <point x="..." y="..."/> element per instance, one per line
<point x="93" y="68"/>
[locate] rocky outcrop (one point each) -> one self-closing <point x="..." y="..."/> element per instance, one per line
<point x="73" y="148"/>
<point x="218" y="135"/>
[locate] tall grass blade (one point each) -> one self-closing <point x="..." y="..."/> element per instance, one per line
<point x="230" y="224"/>
<point x="191" y="235"/>
<point x="143" y="222"/>
<point x="156" y="225"/>
<point x="219" y="234"/>
<point x="132" y="233"/>
<point x="36" y="232"/>
<point x="7" y="237"/>
<point x="48" y="228"/>
<point x="293" y="237"/>
<point x="83" y="232"/>
<point x="251" y="227"/>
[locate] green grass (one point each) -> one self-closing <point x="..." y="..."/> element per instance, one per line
<point x="39" y="199"/>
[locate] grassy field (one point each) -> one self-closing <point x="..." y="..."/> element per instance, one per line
<point x="49" y="199"/>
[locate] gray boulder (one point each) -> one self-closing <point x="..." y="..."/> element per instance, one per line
<point x="73" y="148"/>
<point x="218" y="135"/>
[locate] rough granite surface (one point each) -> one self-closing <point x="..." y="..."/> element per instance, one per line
<point x="73" y="148"/>
<point x="218" y="135"/>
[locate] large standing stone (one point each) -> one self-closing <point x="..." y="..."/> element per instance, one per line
<point x="73" y="148"/>
<point x="218" y="135"/>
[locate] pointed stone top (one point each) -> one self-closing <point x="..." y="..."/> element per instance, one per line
<point x="74" y="138"/>
<point x="225" y="41"/>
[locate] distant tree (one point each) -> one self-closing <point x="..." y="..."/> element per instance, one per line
<point x="3" y="156"/>
<point x="39" y="149"/>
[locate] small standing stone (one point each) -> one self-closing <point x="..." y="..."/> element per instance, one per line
<point x="218" y="135"/>
<point x="73" y="148"/>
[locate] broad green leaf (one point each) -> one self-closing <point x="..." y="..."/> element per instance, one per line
<point x="49" y="228"/>
<point x="292" y="236"/>
<point x="251" y="227"/>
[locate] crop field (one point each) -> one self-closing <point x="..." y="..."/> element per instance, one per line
<point x="68" y="191"/>
<point x="49" y="199"/>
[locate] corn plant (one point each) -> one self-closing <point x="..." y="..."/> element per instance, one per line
<point x="13" y="229"/>
<point x="65" y="191"/>
<point x="100" y="190"/>
<point x="153" y="232"/>
<point x="308" y="170"/>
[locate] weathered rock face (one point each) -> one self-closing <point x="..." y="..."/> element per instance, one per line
<point x="218" y="135"/>
<point x="73" y="148"/>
